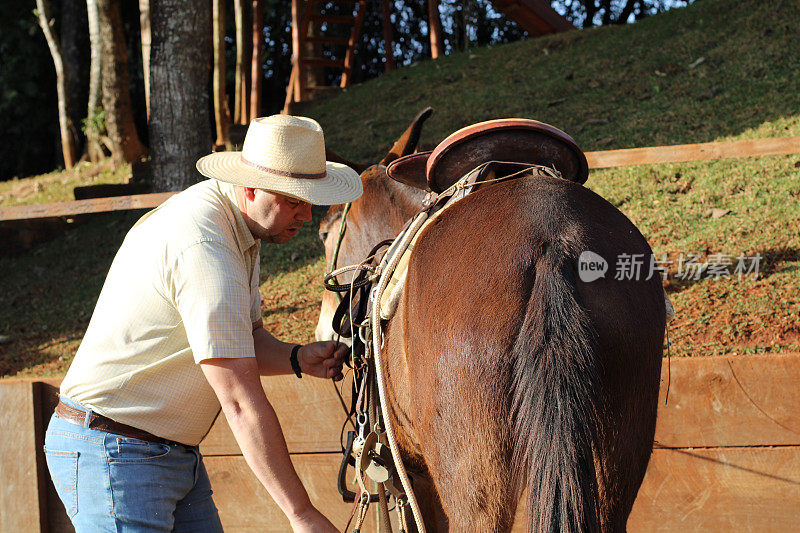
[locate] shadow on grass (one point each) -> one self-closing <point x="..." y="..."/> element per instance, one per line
<point x="48" y="293"/>
<point x="760" y="265"/>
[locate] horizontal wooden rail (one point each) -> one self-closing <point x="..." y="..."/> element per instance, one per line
<point x="81" y="207"/>
<point x="680" y="153"/>
<point x="609" y="158"/>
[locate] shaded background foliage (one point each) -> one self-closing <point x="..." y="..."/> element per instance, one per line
<point x="28" y="102"/>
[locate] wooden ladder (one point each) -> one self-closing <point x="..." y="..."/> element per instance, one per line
<point x="298" y="90"/>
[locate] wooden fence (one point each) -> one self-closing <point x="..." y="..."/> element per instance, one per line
<point x="728" y="437"/>
<point x="727" y="455"/>
<point x="605" y="159"/>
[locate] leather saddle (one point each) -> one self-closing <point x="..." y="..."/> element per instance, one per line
<point x="514" y="140"/>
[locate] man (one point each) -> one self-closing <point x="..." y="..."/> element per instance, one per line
<point x="177" y="335"/>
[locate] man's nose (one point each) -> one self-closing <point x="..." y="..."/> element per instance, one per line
<point x="305" y="213"/>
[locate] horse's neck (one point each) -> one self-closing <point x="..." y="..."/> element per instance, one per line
<point x="403" y="201"/>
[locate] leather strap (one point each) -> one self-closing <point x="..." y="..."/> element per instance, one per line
<point x="294" y="362"/>
<point x="102" y="423"/>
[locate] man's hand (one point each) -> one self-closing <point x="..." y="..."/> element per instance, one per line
<point x="323" y="359"/>
<point x="312" y="522"/>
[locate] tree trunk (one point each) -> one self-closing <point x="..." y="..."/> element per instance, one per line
<point x="95" y="127"/>
<point x="255" y="74"/>
<point x="125" y="143"/>
<point x="222" y="116"/>
<point x="74" y="45"/>
<point x="591" y="11"/>
<point x="180" y="131"/>
<point x="144" y="24"/>
<point x="240" y="114"/>
<point x="388" y="46"/>
<point x="435" y="29"/>
<point x="67" y="144"/>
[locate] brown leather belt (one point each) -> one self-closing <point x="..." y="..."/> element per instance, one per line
<point x="102" y="423"/>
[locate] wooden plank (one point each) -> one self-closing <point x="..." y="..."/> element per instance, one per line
<point x="310" y="414"/>
<point x="730" y="401"/>
<point x="536" y="17"/>
<point x="244" y="505"/>
<point x="720" y="489"/>
<point x="79" y="207"/>
<point x="715" y="489"/>
<point x="21" y="459"/>
<point x="309" y="411"/>
<point x="323" y="62"/>
<point x="334" y="19"/>
<point x="713" y="401"/>
<point x="605" y="159"/>
<point x="694" y="152"/>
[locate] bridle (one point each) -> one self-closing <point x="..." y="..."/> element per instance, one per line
<point x="335" y="256"/>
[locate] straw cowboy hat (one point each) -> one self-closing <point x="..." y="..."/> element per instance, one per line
<point x="285" y="154"/>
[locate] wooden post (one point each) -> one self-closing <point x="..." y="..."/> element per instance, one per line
<point x="255" y="74"/>
<point x="388" y="46"/>
<point x="352" y="43"/>
<point x="435" y="29"/>
<point x="23" y="496"/>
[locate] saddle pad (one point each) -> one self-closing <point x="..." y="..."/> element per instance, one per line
<point x="394" y="288"/>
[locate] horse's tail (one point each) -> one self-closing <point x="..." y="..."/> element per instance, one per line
<point x="555" y="402"/>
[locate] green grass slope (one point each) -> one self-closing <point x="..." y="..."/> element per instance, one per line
<point x="716" y="70"/>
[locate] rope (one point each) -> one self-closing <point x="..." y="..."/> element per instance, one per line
<point x="376" y="340"/>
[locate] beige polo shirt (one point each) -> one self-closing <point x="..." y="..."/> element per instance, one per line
<point x="182" y="288"/>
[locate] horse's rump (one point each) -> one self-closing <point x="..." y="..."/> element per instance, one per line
<point x="495" y="327"/>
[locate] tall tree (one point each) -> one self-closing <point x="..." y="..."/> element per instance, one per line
<point x="64" y="123"/>
<point x="256" y="75"/>
<point x="222" y="116"/>
<point x="126" y="146"/>
<point x="144" y="24"/>
<point x="94" y="125"/>
<point x="435" y="29"/>
<point x="240" y="114"/>
<point x="180" y="60"/>
<point x="74" y="46"/>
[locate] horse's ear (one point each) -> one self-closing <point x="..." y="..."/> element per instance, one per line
<point x="407" y="143"/>
<point x="410" y="170"/>
<point x="330" y="155"/>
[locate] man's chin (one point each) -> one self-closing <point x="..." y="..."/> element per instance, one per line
<point x="281" y="238"/>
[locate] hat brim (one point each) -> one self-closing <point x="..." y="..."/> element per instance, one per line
<point x="340" y="185"/>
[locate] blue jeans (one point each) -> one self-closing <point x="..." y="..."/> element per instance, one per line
<point x="109" y="482"/>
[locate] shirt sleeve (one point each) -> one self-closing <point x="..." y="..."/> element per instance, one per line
<point x="212" y="293"/>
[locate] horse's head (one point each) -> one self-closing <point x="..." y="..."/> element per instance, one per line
<point x="379" y="214"/>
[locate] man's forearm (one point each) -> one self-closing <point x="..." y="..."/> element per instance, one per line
<point x="258" y="432"/>
<point x="261" y="440"/>
<point x="272" y="355"/>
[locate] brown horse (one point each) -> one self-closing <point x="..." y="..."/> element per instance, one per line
<point x="505" y="372"/>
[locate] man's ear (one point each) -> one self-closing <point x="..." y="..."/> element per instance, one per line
<point x="249" y="193"/>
